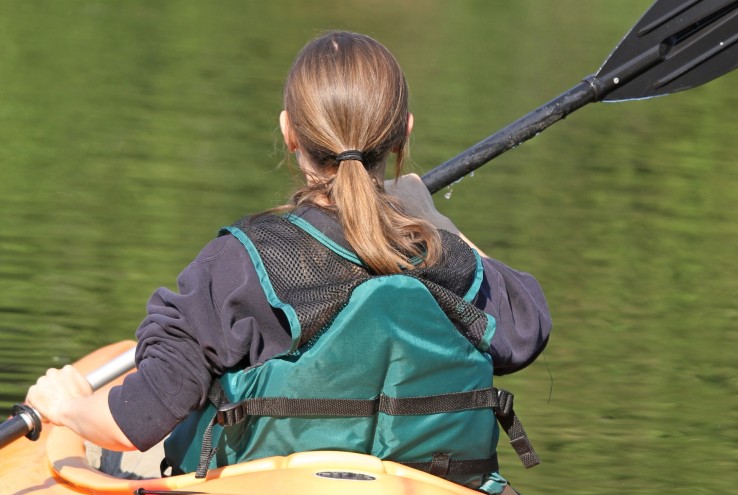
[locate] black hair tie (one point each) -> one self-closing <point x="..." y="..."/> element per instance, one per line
<point x="350" y="155"/>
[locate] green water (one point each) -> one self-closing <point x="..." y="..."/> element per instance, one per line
<point x="130" y="131"/>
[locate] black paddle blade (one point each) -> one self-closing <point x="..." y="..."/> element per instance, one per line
<point x="677" y="45"/>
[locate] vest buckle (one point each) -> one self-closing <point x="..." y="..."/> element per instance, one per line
<point x="504" y="403"/>
<point x="230" y="414"/>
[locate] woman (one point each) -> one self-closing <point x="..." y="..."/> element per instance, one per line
<point x="273" y="290"/>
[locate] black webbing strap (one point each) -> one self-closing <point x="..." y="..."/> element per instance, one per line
<point x="514" y="429"/>
<point x="219" y="398"/>
<point x="500" y="401"/>
<point x="236" y="412"/>
<point x="442" y="465"/>
<point x="484" y="398"/>
<point x="505" y="414"/>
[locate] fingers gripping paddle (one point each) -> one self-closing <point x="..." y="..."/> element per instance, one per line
<point x="26" y="421"/>
<point x="676" y="45"/>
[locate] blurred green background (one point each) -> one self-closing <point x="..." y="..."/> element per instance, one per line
<point x="131" y="131"/>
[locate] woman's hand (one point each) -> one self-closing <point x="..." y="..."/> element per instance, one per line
<point x="56" y="391"/>
<point x="64" y="397"/>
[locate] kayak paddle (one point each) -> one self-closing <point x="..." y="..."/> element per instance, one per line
<point x="26" y="421"/>
<point x="676" y="45"/>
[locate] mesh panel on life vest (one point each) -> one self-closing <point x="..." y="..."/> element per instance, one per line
<point x="317" y="282"/>
<point x="468" y="319"/>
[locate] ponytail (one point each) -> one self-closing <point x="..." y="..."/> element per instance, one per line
<point x="382" y="236"/>
<point x="346" y="99"/>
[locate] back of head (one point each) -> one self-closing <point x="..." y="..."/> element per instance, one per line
<point x="347" y="92"/>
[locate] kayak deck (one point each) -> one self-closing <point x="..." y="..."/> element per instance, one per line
<point x="56" y="464"/>
<point x="317" y="472"/>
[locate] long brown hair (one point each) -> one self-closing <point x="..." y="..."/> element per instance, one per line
<point x="346" y="91"/>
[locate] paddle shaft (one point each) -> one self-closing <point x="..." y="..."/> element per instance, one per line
<point x="591" y="89"/>
<point x="112" y="369"/>
<point x="510" y="137"/>
<point x="26" y="421"/>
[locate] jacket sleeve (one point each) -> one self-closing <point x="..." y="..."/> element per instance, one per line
<point x="192" y="335"/>
<point x="516" y="301"/>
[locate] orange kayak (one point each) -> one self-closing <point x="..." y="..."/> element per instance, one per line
<point x="56" y="464"/>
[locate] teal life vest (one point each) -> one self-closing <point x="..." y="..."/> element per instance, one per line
<point x="394" y="365"/>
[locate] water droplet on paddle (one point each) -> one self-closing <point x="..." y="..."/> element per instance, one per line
<point x="448" y="194"/>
